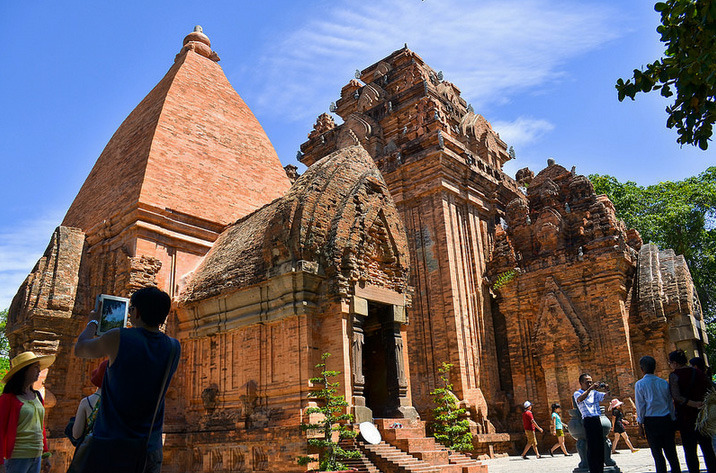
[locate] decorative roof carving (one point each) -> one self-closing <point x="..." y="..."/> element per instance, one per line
<point x="324" y="123"/>
<point x="338" y="216"/>
<point x="556" y="309"/>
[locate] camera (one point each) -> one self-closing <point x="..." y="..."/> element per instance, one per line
<point x="601" y="385"/>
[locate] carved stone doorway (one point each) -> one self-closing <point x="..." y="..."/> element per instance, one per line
<point x="381" y="390"/>
<point x="380" y="383"/>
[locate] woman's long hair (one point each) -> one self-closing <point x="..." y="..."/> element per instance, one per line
<point x="15" y="384"/>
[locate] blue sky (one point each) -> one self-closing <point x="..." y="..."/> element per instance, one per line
<point x="542" y="72"/>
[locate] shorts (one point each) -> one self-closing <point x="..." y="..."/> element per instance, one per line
<point x="559" y="432"/>
<point x="531" y="438"/>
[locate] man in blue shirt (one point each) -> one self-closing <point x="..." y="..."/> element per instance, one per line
<point x="655" y="414"/>
<point x="587" y="399"/>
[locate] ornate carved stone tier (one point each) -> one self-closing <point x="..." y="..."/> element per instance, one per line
<point x="576" y="291"/>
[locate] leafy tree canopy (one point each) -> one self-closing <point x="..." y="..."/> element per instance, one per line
<point x="687" y="72"/>
<point x="679" y="215"/>
<point x="4" y="346"/>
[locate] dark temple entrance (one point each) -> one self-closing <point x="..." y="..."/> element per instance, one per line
<point x="380" y="365"/>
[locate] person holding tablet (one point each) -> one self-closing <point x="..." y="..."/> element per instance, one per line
<point x="142" y="361"/>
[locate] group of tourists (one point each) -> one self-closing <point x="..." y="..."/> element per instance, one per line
<point x="662" y="407"/>
<point x="531" y="426"/>
<point x="119" y="427"/>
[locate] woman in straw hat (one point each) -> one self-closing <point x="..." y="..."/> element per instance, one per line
<point x="22" y="417"/>
<point x="618" y="424"/>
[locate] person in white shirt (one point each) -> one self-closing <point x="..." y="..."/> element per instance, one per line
<point x="655" y="415"/>
<point x="587" y="399"/>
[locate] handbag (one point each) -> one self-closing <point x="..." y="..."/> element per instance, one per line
<point x="120" y="455"/>
<point x="68" y="433"/>
<point x="88" y="428"/>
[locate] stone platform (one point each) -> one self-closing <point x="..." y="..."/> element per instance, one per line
<point x="639" y="462"/>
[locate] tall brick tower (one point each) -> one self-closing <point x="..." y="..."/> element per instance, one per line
<point x="189" y="160"/>
<point x="443" y="166"/>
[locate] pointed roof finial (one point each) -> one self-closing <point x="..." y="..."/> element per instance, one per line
<point x="197" y="35"/>
<point x="198" y="42"/>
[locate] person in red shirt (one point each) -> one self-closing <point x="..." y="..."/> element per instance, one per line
<point x="528" y="421"/>
<point x="23" y="443"/>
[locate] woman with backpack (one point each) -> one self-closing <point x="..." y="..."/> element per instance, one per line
<point x="87" y="410"/>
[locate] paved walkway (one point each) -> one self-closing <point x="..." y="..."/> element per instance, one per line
<point x="639" y="462"/>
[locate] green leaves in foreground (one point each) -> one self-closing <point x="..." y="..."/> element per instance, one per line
<point x="687" y="71"/>
<point x="332" y="424"/>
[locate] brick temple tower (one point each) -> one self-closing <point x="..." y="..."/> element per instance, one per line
<point x="188" y="161"/>
<point x="443" y="166"/>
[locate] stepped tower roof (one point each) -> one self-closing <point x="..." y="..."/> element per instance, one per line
<point x="192" y="151"/>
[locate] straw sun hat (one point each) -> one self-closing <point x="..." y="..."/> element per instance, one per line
<point x="27" y="358"/>
<point x="615" y="403"/>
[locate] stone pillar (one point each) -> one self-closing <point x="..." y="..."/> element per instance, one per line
<point x="359" y="311"/>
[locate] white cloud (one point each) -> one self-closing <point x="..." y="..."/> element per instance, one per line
<point x="490" y="49"/>
<point x="20" y="248"/>
<point x="522" y="131"/>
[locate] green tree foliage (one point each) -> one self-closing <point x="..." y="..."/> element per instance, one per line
<point x="687" y="72"/>
<point x="4" y="347"/>
<point x="451" y="428"/>
<point x="332" y="424"/>
<point x="679" y="215"/>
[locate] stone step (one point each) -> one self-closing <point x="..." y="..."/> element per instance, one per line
<point x="393" y="460"/>
<point x="413" y="444"/>
<point x="404" y="433"/>
<point x="434" y="457"/>
<point x="467" y="464"/>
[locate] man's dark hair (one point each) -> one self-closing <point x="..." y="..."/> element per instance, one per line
<point x="15" y="384"/>
<point x="678" y="356"/>
<point x="648" y="364"/>
<point x="583" y="376"/>
<point x="153" y="305"/>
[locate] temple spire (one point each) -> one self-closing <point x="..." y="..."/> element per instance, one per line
<point x="198" y="42"/>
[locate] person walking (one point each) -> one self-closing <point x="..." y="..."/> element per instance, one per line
<point x="528" y="422"/>
<point x="558" y="430"/>
<point x="587" y="399"/>
<point x="688" y="387"/>
<point x="655" y="415"/>
<point x="23" y="442"/>
<point x="618" y="423"/>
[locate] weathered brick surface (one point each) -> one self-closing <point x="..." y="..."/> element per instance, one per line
<point x="274" y="293"/>
<point x="442" y="164"/>
<point x="575" y="292"/>
<point x="411" y="179"/>
<point x="191" y="147"/>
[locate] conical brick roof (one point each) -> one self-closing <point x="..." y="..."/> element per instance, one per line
<point x="191" y="149"/>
